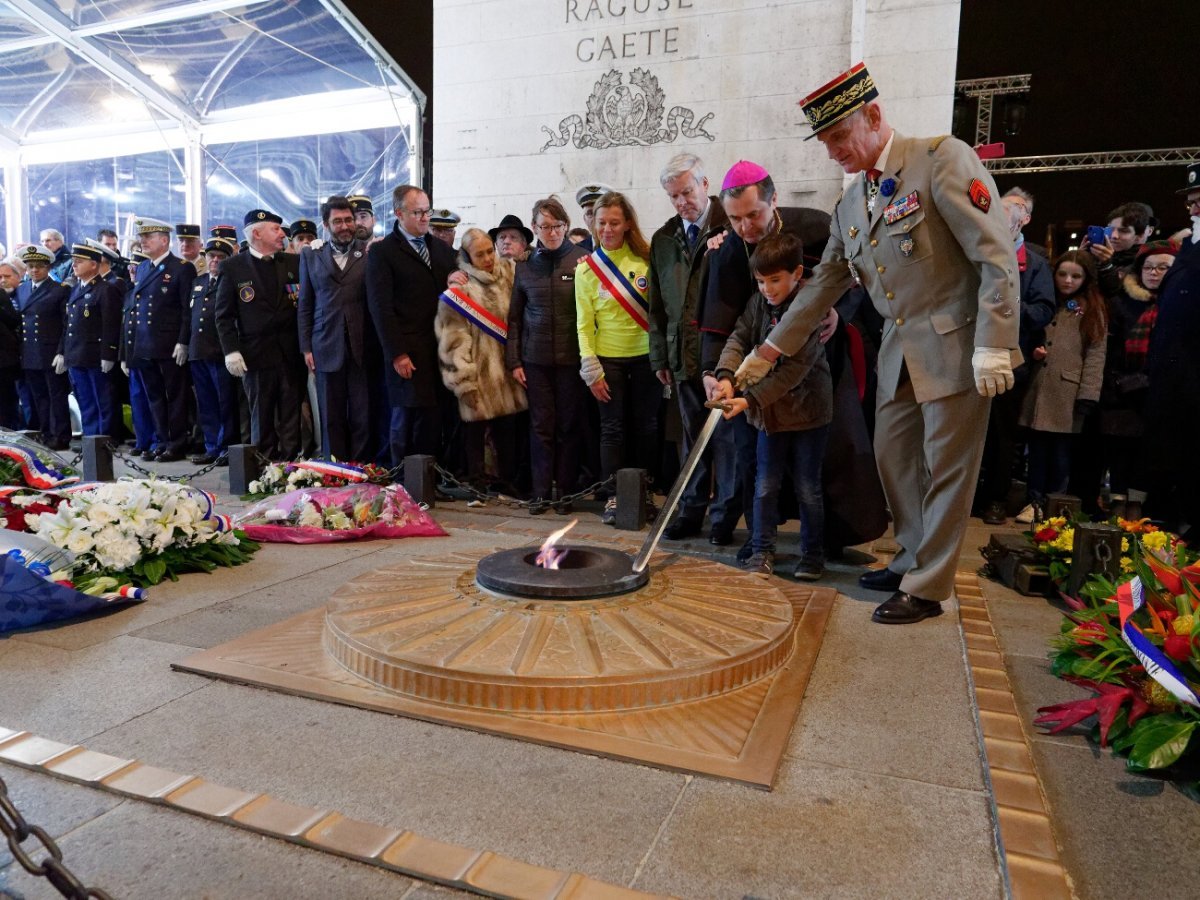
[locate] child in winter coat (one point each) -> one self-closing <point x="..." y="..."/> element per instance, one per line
<point x="1068" y="370"/>
<point x="791" y="408"/>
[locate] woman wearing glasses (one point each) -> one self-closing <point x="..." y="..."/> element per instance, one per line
<point x="543" y="354"/>
<point x="1132" y="314"/>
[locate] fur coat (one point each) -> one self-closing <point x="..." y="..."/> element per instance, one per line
<point x="472" y="361"/>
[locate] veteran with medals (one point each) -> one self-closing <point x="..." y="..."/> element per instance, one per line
<point x="256" y="322"/>
<point x="918" y="226"/>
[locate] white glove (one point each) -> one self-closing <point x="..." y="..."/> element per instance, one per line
<point x="106" y="365"/>
<point x="125" y="367"/>
<point x="590" y="370"/>
<point x="993" y="370"/>
<point x="60" y="365"/>
<point x="752" y="370"/>
<point x="236" y="364"/>
<point x="180" y="354"/>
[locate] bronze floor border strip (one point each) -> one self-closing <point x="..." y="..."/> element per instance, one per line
<point x="405" y="852"/>
<point x="1035" y="869"/>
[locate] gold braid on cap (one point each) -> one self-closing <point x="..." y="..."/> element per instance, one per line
<point x="840" y="104"/>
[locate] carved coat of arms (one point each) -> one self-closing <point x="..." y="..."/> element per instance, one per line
<point x="622" y="115"/>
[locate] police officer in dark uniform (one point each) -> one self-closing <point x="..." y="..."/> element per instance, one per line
<point x="161" y="291"/>
<point x="42" y="303"/>
<point x="191" y="249"/>
<point x="213" y="384"/>
<point x="91" y="342"/>
<point x="144" y="437"/>
<point x="256" y="322"/>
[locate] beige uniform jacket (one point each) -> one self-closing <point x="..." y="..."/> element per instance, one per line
<point x="943" y="275"/>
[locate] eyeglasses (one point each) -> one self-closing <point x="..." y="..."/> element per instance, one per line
<point x="419" y="213"/>
<point x="551" y="229"/>
<point x="1161" y="267"/>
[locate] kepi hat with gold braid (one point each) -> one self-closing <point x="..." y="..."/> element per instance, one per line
<point x="832" y="102"/>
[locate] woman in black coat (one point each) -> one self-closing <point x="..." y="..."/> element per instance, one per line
<point x="543" y="353"/>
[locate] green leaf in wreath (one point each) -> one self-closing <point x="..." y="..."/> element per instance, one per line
<point x="1160" y="740"/>
<point x="153" y="569"/>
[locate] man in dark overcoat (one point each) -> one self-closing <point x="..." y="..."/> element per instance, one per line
<point x="406" y="273"/>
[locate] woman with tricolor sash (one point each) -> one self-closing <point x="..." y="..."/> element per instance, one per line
<point x="472" y="332"/>
<point x="614" y="340"/>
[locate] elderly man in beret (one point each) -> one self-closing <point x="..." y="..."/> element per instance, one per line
<point x="919" y="228"/>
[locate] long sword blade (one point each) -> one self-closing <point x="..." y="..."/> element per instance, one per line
<point x="677" y="489"/>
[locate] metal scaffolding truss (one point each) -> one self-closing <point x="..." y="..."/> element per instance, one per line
<point x="1108" y="159"/>
<point x="985" y="90"/>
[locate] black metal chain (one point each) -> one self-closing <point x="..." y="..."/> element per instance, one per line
<point x="17" y="831"/>
<point x="504" y="500"/>
<point x="179" y="479"/>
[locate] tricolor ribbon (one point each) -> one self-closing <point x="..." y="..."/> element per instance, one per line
<point x="1131" y="598"/>
<point x="615" y="282"/>
<point x="334" y="469"/>
<point x="37" y="473"/>
<point x="485" y="320"/>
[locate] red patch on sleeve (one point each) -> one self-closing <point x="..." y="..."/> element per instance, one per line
<point x="979" y="195"/>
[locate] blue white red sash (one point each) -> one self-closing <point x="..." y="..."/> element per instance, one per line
<point x="37" y="473"/>
<point x="488" y="322"/>
<point x="632" y="300"/>
<point x="1129" y="600"/>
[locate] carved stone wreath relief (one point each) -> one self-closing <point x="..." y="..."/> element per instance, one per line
<point x="620" y="115"/>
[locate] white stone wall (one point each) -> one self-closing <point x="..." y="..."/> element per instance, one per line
<point x="503" y="69"/>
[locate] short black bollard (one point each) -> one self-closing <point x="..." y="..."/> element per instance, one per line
<point x="420" y="480"/>
<point x="244" y="468"/>
<point x="1095" y="551"/>
<point x="1063" y="505"/>
<point x="97" y="458"/>
<point x="631" y="499"/>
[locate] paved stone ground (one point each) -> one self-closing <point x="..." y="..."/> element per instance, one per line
<point x="882" y="790"/>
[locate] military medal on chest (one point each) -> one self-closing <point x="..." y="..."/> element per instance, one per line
<point x="907" y="246"/>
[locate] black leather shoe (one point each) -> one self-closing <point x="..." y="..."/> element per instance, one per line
<point x="148" y="455"/>
<point x="538" y="506"/>
<point x="720" y="536"/>
<point x="682" y="528"/>
<point x="994" y="514"/>
<point x="880" y="580"/>
<point x="203" y="459"/>
<point x="169" y="456"/>
<point x="904" y="609"/>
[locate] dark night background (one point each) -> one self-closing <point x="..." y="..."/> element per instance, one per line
<point x="1106" y="76"/>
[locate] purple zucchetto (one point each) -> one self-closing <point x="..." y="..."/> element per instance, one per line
<point x="742" y="174"/>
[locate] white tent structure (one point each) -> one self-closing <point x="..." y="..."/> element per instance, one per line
<point x="194" y="110"/>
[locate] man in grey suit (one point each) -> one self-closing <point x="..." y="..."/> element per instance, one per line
<point x="332" y="315"/>
<point x="920" y="230"/>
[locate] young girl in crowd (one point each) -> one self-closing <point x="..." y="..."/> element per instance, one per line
<point x="1067" y="373"/>
<point x="614" y="340"/>
<point x="791" y="408"/>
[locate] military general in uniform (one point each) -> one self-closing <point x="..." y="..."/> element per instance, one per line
<point x="918" y="227"/>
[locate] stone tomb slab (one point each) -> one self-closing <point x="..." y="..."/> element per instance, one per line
<point x="701" y="670"/>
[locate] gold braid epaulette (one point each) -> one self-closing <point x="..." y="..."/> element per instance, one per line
<point x="936" y="142"/>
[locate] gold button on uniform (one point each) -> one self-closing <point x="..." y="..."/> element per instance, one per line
<point x="881" y="269"/>
<point x="874" y="242"/>
<point x="890" y="295"/>
<point x="900" y="321"/>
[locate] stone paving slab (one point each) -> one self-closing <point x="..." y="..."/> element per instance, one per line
<point x="71" y="696"/>
<point x="828" y="832"/>
<point x="916" y="699"/>
<point x="55" y="805"/>
<point x="551" y="807"/>
<point x="139" y="851"/>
